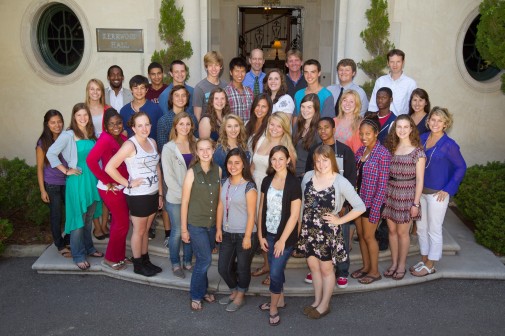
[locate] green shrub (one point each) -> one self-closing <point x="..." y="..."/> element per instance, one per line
<point x="480" y="198"/>
<point x="20" y="195"/>
<point x="5" y="232"/>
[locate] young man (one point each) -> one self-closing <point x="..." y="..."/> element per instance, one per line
<point x="178" y="72"/>
<point x="155" y="72"/>
<point x="254" y="78"/>
<point x="240" y="97"/>
<point x="138" y="86"/>
<point x="401" y="85"/>
<point x="213" y="62"/>
<point x="346" y="70"/>
<point x="311" y="73"/>
<point x="347" y="167"/>
<point x="384" y="101"/>
<point x="116" y="95"/>
<point x="294" y="77"/>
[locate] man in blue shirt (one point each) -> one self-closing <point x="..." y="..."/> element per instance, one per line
<point x="254" y="78"/>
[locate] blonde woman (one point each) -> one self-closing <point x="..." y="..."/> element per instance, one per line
<point x="348" y="120"/>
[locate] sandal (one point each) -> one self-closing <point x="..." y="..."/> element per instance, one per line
<point x="358" y="274"/>
<point x="99" y="237"/>
<point x="259" y="272"/>
<point x="266" y="306"/>
<point x="65" y="252"/>
<point x="119" y="266"/>
<point x="272" y="321"/>
<point x="389" y="273"/>
<point x="96" y="254"/>
<point x="83" y="265"/>
<point x="188" y="268"/>
<point x="266" y="282"/>
<point x="399" y="275"/>
<point x="416" y="266"/>
<point x="427" y="271"/>
<point x="196" y="305"/>
<point x="368" y="279"/>
<point x="209" y="298"/>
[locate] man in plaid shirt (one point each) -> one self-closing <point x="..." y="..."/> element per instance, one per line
<point x="240" y="97"/>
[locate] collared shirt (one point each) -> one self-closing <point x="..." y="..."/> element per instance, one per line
<point x="240" y="102"/>
<point x="116" y="101"/>
<point x="335" y="91"/>
<point x="249" y="80"/>
<point x="402" y="89"/>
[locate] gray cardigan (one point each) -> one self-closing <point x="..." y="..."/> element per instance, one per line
<point x="343" y="191"/>
<point x="66" y="145"/>
<point x="174" y="171"/>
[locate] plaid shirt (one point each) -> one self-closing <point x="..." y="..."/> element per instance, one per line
<point x="165" y="126"/>
<point x="240" y="102"/>
<point x="374" y="179"/>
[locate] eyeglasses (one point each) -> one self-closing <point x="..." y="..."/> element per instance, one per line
<point x="111" y="124"/>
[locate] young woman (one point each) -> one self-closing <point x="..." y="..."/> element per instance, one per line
<point x="348" y="120"/>
<point x="372" y="162"/>
<point x="200" y="196"/>
<point x="51" y="180"/>
<point x="231" y="135"/>
<point x="279" y="210"/>
<point x="81" y="195"/>
<point x="406" y="174"/>
<point x="175" y="158"/>
<point x="445" y="169"/>
<point x="275" y="86"/>
<point x="95" y="99"/>
<point x="261" y="110"/>
<point x="278" y="133"/>
<point x="419" y="108"/>
<point x="111" y="193"/>
<point x="305" y="131"/>
<point x="235" y="229"/>
<point x="211" y="121"/>
<point x="142" y="189"/>
<point x="324" y="191"/>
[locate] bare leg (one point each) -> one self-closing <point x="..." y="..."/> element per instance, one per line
<point x="393" y="246"/>
<point x="328" y="277"/>
<point x="372" y="246"/>
<point x="362" y="244"/>
<point x="317" y="280"/>
<point x="403" y="245"/>
<point x="138" y="234"/>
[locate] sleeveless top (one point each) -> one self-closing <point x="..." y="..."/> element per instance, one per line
<point x="143" y="164"/>
<point x="204" y="197"/>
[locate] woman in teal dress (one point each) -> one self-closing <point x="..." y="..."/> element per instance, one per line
<point x="82" y="196"/>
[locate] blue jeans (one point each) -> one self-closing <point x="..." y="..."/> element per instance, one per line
<point x="56" y="195"/>
<point x="236" y="275"/>
<point x="174" y="212"/>
<point x="202" y="241"/>
<point x="81" y="242"/>
<point x="277" y="265"/>
<point x="342" y="268"/>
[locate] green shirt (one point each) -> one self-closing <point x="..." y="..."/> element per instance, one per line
<point x="204" y="196"/>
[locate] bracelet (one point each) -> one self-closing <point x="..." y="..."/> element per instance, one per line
<point x="129" y="186"/>
<point x="416" y="205"/>
<point x="160" y="195"/>
<point x="66" y="172"/>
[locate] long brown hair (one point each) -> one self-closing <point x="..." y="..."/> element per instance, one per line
<point x="393" y="140"/>
<point x="280" y="148"/>
<point x="283" y="88"/>
<point x="251" y="125"/>
<point x="90" y="129"/>
<point x="223" y="137"/>
<point x="309" y="137"/>
<point x="191" y="137"/>
<point x="46" y="138"/>
<point x="211" y="111"/>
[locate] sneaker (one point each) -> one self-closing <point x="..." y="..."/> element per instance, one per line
<point x="152" y="234"/>
<point x="308" y="278"/>
<point x="342" y="282"/>
<point x="165" y="242"/>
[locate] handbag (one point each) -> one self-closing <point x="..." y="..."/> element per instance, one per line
<point x="382" y="235"/>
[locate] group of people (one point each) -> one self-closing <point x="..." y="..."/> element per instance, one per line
<point x="269" y="161"/>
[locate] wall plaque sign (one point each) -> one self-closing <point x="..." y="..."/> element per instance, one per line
<point x="119" y="40"/>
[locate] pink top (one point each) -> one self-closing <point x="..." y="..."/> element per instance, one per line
<point x="347" y="136"/>
<point x="105" y="148"/>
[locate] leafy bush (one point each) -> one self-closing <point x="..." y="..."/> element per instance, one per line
<point x="5" y="232"/>
<point x="481" y="198"/>
<point x="20" y="196"/>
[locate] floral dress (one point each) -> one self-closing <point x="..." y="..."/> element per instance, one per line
<point x="317" y="238"/>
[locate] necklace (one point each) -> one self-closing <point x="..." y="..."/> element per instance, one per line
<point x="228" y="200"/>
<point x="431" y="155"/>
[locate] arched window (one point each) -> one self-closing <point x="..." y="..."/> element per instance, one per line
<point x="60" y="39"/>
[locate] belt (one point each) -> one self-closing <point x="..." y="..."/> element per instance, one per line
<point x="391" y="178"/>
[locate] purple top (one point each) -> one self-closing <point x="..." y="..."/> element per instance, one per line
<point x="187" y="158"/>
<point x="445" y="166"/>
<point x="54" y="175"/>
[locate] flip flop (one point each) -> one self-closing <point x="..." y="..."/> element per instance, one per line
<point x="259" y="272"/>
<point x="272" y="317"/>
<point x="65" y="253"/>
<point x="83" y="265"/>
<point x="424" y="268"/>
<point x="266" y="282"/>
<point x="196" y="305"/>
<point x="399" y="275"/>
<point x="389" y="273"/>
<point x="413" y="268"/>
<point x="209" y="298"/>
<point x="368" y="279"/>
<point x="96" y="254"/>
<point x="119" y="266"/>
<point x="266" y="306"/>
<point x="358" y="274"/>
